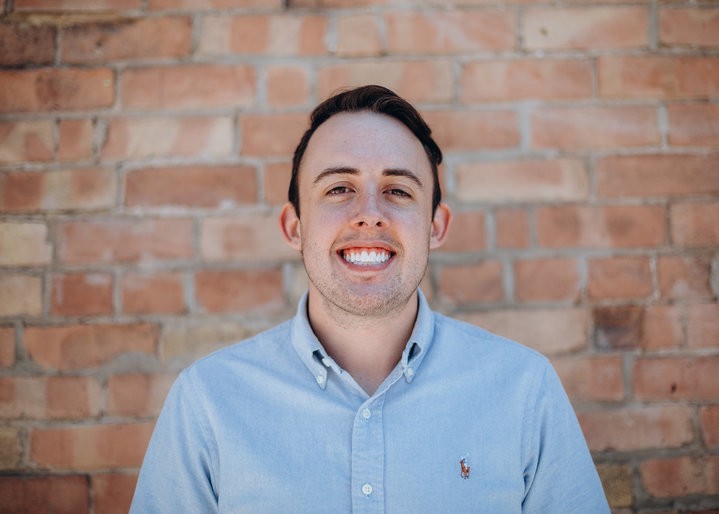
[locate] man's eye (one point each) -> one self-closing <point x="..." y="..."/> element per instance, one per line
<point x="339" y="190"/>
<point x="400" y="193"/>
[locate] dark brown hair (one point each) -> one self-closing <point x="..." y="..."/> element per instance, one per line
<point x="375" y="99"/>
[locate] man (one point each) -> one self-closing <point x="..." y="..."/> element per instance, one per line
<point x="367" y="401"/>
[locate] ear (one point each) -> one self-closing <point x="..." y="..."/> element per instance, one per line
<point x="440" y="226"/>
<point x="290" y="226"/>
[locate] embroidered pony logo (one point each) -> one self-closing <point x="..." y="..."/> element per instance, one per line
<point x="464" y="467"/>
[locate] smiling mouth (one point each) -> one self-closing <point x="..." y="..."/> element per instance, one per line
<point x="366" y="256"/>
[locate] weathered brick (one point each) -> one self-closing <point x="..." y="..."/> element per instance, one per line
<point x="618" y="327"/>
<point x="86" y="346"/>
<point x="474" y="130"/>
<point x="26" y="44"/>
<point x="680" y="476"/>
<point x="125" y="240"/>
<point x="112" y="492"/>
<point x="689" y="27"/>
<point x="278" y="35"/>
<point x="20" y="295"/>
<point x="694" y="224"/>
<point x="676" y="378"/>
<point x="145" y="137"/>
<point x="246" y="238"/>
<point x="188" y="87"/>
<point x="617" y="226"/>
<point x="7" y="347"/>
<point x="520" y="181"/>
<point x="548" y="279"/>
<point x="217" y="4"/>
<point x="619" y="277"/>
<point x="695" y="125"/>
<point x="358" y="35"/>
<point x="75" y="189"/>
<point x="56" y="494"/>
<point x="512" y="228"/>
<point x="438" y="32"/>
<point x="637" y="428"/>
<point x="130" y="38"/>
<point x="137" y="394"/>
<point x="709" y="417"/>
<point x="90" y="447"/>
<point x="417" y="81"/>
<point x="62" y="397"/>
<point x="468" y="232"/>
<point x="24" y="244"/>
<point x="10" y="449"/>
<point x="591" y="378"/>
<point x="471" y="283"/>
<point x="26" y="141"/>
<point x="684" y="276"/>
<point x="156" y="293"/>
<point x="585" y="28"/>
<point x="658" y="77"/>
<point x="661" y="327"/>
<point x="594" y="128"/>
<point x="56" y="89"/>
<point x="657" y="175"/>
<point x="75" y="140"/>
<point x="81" y="294"/>
<point x="546" y="79"/>
<point x="239" y="290"/>
<point x="703" y="325"/>
<point x="271" y="135"/>
<point x="550" y="331"/>
<point x="287" y="85"/>
<point x="76" y="5"/>
<point x="617" y="482"/>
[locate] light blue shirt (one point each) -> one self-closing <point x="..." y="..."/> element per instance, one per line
<point x="274" y="425"/>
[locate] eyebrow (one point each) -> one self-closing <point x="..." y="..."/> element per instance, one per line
<point x="390" y="172"/>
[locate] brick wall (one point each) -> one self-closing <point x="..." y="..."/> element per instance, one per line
<point x="145" y="148"/>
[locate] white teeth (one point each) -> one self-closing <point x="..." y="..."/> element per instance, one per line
<point x="365" y="258"/>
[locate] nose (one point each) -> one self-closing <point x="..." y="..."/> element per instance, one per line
<point x="369" y="212"/>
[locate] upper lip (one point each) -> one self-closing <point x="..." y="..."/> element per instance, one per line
<point x="366" y="244"/>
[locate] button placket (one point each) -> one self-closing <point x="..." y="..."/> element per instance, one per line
<point x="368" y="458"/>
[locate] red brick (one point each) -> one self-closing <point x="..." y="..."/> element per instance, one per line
<point x="81" y="294"/>
<point x="90" y="447"/>
<point x="287" y="85"/>
<point x="658" y="77"/>
<point x="594" y="128"/>
<point x="75" y="140"/>
<point x="416" y="81"/>
<point x="438" y="32"/>
<point x="276" y="181"/>
<point x="591" y="378"/>
<point x="471" y="283"/>
<point x="619" y="277"/>
<point x="468" y="232"/>
<point x="49" y="397"/>
<point x="75" y="5"/>
<point x="512" y="227"/>
<point x="188" y="87"/>
<point x="694" y="224"/>
<point x="157" y="293"/>
<point x="680" y="476"/>
<point x="271" y="135"/>
<point x="474" y="130"/>
<point x="24" y="244"/>
<point x="694" y="125"/>
<point x="546" y="79"/>
<point x="145" y="137"/>
<point x="550" y="331"/>
<point x="336" y="3"/>
<point x="549" y="279"/>
<point x="20" y="295"/>
<point x="218" y="4"/>
<point x="56" y="494"/>
<point x="277" y="35"/>
<point x="26" y="141"/>
<point x="684" y="277"/>
<point x="7" y="347"/>
<point x="661" y="327"/>
<point x="239" y="290"/>
<point x="520" y="181"/>
<point x="676" y="378"/>
<point x="689" y="27"/>
<point x="657" y="175"/>
<point x="703" y="325"/>
<point x="137" y="394"/>
<point x="75" y="189"/>
<point x="85" y="346"/>
<point x="112" y="492"/>
<point x="125" y="240"/>
<point x="191" y="186"/>
<point x="255" y="238"/>
<point x="358" y="35"/>
<point x="618" y="327"/>
<point x="131" y="38"/>
<point x="639" y="428"/>
<point x="56" y="89"/>
<point x="586" y="28"/>
<point x="601" y="227"/>
<point x="26" y="44"/>
<point x="709" y="416"/>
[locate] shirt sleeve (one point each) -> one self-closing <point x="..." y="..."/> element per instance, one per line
<point x="177" y="472"/>
<point x="560" y="475"/>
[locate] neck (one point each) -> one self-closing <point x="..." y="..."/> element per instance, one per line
<point x="367" y="347"/>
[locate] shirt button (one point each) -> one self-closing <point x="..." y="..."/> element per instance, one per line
<point x="366" y="413"/>
<point x="320" y="379"/>
<point x="367" y="489"/>
<point x="410" y="372"/>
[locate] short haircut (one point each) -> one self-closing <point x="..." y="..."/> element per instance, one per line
<point x="376" y="99"/>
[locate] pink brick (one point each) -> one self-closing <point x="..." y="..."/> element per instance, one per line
<point x="676" y="378"/>
<point x="75" y="5"/>
<point x="549" y="279"/>
<point x="81" y="294"/>
<point x="684" y="277"/>
<point x="474" y="130"/>
<point x="26" y="141"/>
<point x="158" y="293"/>
<point x="689" y="27"/>
<point x="288" y="85"/>
<point x="694" y="224"/>
<point x="681" y="476"/>
<point x="24" y="244"/>
<point x="271" y="135"/>
<point x="20" y="295"/>
<point x="358" y="35"/>
<point x="470" y="284"/>
<point x="694" y="125"/>
<point x="619" y="277"/>
<point x="703" y="325"/>
<point x="247" y="238"/>
<point x="468" y="232"/>
<point x="75" y="140"/>
<point x="591" y="378"/>
<point x="239" y="290"/>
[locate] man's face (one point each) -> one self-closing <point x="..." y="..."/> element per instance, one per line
<point x="366" y="227"/>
